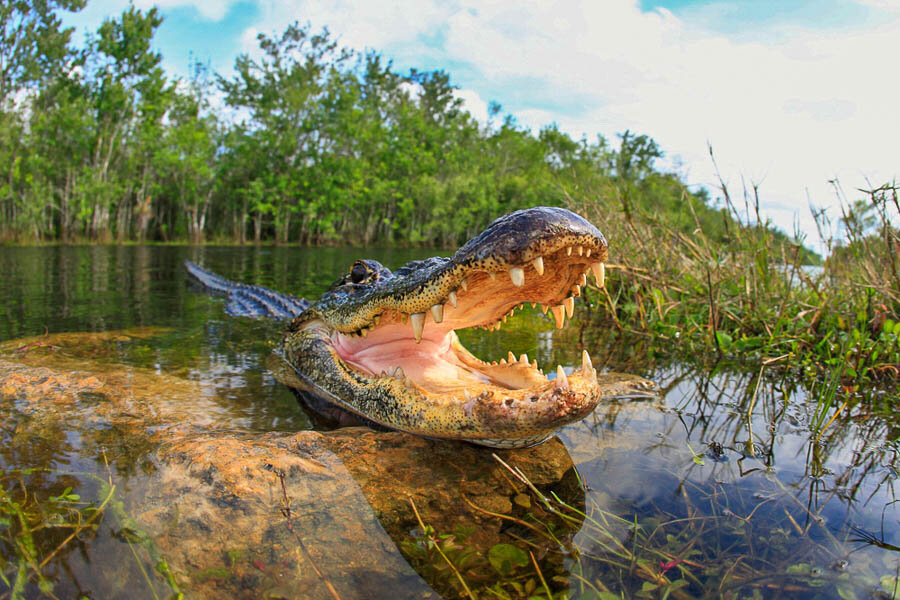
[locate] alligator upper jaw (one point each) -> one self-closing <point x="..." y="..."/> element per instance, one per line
<point x="422" y="349"/>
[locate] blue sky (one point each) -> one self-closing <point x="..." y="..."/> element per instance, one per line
<point x="790" y="93"/>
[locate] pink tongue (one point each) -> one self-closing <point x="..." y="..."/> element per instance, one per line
<point x="430" y="363"/>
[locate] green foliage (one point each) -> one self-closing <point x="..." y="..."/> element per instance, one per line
<point x="315" y="145"/>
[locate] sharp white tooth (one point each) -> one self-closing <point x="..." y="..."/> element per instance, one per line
<point x="538" y="265"/>
<point x="544" y="308"/>
<point x="464" y="285"/>
<point x="364" y="332"/>
<point x="511" y="357"/>
<point x="523" y="359"/>
<point x="504" y="318"/>
<point x="569" y="251"/>
<point x="587" y="252"/>
<point x="576" y="291"/>
<point x="580" y="251"/>
<point x="599" y="270"/>
<point x="452" y="297"/>
<point x="399" y="373"/>
<point x="582" y="281"/>
<point x="560" y="314"/>
<point x="533" y="305"/>
<point x="418" y="325"/>
<point x="586" y="365"/>
<point x="437" y="311"/>
<point x="517" y="274"/>
<point x="534" y="364"/>
<point x="569" y="303"/>
<point x="502" y="361"/>
<point x="493" y="275"/>
<point x="561" y="379"/>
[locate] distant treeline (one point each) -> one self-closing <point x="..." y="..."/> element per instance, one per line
<point x="306" y="143"/>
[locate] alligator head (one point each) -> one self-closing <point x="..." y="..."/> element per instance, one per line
<point x="382" y="344"/>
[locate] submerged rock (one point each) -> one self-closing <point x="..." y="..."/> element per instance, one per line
<point x="238" y="513"/>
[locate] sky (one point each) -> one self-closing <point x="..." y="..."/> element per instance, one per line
<point x="791" y="94"/>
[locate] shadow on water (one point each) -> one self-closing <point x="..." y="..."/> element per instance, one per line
<point x="161" y="457"/>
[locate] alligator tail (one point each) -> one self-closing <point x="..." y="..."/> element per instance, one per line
<point x="243" y="300"/>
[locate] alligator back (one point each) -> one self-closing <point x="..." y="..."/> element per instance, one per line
<point x="244" y="300"/>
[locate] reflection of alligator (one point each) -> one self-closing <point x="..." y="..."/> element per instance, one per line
<point x="365" y="344"/>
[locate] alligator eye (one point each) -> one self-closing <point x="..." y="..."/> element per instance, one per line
<point x="358" y="273"/>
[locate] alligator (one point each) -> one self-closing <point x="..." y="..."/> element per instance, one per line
<point x="383" y="344"/>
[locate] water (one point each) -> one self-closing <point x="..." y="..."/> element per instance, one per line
<point x="163" y="407"/>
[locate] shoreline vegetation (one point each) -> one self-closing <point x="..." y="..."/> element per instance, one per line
<point x="308" y="143"/>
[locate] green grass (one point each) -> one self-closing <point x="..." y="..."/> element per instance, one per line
<point x="751" y="299"/>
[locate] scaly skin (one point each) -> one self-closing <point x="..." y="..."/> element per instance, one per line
<point x="347" y="346"/>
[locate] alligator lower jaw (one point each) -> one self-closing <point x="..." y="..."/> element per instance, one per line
<point x="423" y="351"/>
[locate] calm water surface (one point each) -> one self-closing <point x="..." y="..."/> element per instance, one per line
<point x="686" y="498"/>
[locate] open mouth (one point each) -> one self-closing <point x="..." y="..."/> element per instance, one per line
<point x="411" y="337"/>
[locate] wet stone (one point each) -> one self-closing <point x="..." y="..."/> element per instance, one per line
<point x="241" y="514"/>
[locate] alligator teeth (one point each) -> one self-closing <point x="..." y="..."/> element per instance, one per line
<point x="538" y="265"/>
<point x="544" y="308"/>
<point x="561" y="380"/>
<point x="560" y="314"/>
<point x="418" y="325"/>
<point x="587" y="252"/>
<point x="576" y="291"/>
<point x="502" y="361"/>
<point x="511" y="357"/>
<point x="586" y="364"/>
<point x="464" y="285"/>
<point x="493" y="275"/>
<point x="582" y="281"/>
<point x="569" y="303"/>
<point x="364" y="332"/>
<point x="452" y="297"/>
<point x="580" y="251"/>
<point x="437" y="311"/>
<point x="523" y="359"/>
<point x="517" y="274"/>
<point x="569" y="251"/>
<point x="534" y="364"/>
<point x="599" y="270"/>
<point x="533" y="305"/>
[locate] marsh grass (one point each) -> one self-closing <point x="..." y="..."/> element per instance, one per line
<point x="38" y="528"/>
<point x="751" y="299"/>
<point x="718" y="545"/>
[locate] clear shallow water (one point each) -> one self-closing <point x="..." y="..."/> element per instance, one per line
<point x="767" y="514"/>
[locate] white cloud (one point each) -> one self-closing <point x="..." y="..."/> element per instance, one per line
<point x="211" y="10"/>
<point x="473" y="103"/>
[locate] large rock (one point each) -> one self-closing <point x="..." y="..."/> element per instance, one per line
<point x="238" y="513"/>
